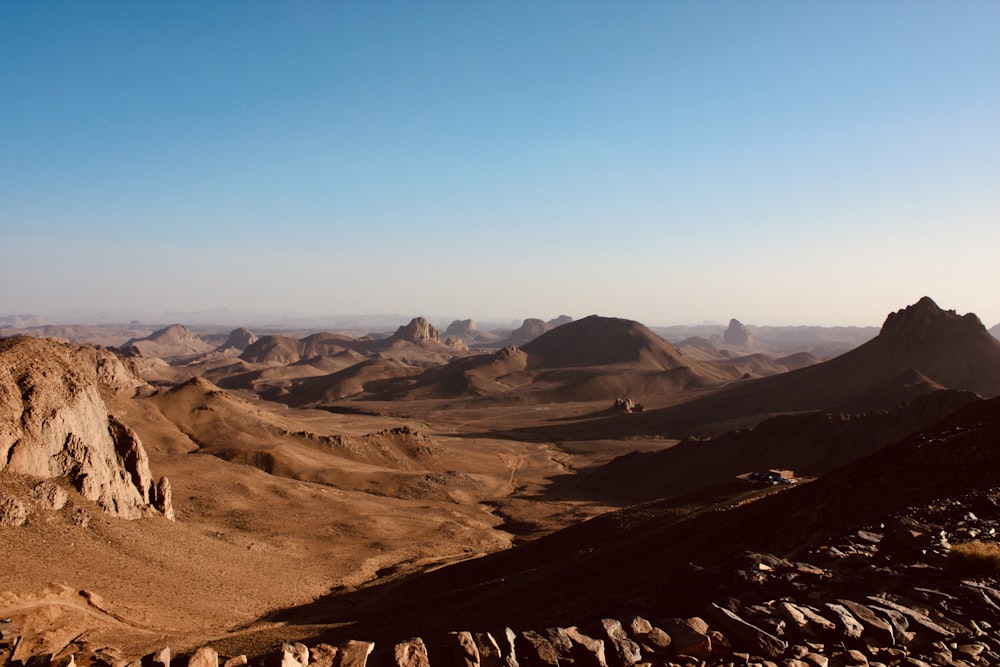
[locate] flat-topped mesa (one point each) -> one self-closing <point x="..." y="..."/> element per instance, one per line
<point x="419" y="330"/>
<point x="53" y="423"/>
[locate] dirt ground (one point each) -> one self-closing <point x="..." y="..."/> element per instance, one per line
<point x="247" y="543"/>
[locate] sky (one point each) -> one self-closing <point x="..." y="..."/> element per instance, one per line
<point x="672" y="162"/>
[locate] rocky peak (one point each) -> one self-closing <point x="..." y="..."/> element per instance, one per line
<point x="559" y="321"/>
<point x="239" y="339"/>
<point x="175" y="333"/>
<point x="419" y="330"/>
<point x="737" y="334"/>
<point x="925" y="319"/>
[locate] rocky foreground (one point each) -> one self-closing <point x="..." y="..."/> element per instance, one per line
<point x="917" y="588"/>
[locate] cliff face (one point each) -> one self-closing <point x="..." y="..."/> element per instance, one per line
<point x="53" y="423"/>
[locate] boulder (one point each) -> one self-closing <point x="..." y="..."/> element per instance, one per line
<point x="624" y="652"/>
<point x="48" y="495"/>
<point x="534" y="650"/>
<point x="206" y="656"/>
<point x="160" y="658"/>
<point x="411" y="653"/>
<point x="464" y="651"/>
<point x="506" y="640"/>
<point x="12" y="511"/>
<point x="489" y="650"/>
<point x="163" y="499"/>
<point x="879" y="630"/>
<point x="322" y="655"/>
<point x="353" y="653"/>
<point x="294" y="654"/>
<point x="742" y="632"/>
<point x="849" y="626"/>
<point x="685" y="639"/>
<point x="915" y="618"/>
<point x="585" y="651"/>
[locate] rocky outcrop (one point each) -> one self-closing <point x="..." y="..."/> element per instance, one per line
<point x="53" y="423"/>
<point x="627" y="405"/>
<point x="12" y="511"/>
<point x="419" y="330"/>
<point x="120" y="374"/>
<point x="457" y="344"/>
<point x="737" y="335"/>
<point x="162" y="498"/>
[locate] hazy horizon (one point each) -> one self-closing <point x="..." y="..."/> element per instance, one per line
<point x="668" y="162"/>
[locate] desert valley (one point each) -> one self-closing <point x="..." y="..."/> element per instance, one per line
<point x="587" y="492"/>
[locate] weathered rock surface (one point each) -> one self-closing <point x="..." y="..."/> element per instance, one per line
<point x="411" y="653"/>
<point x="12" y="511"/>
<point x="353" y="653"/>
<point x="162" y="498"/>
<point x="206" y="656"/>
<point x="48" y="495"/>
<point x="419" y="330"/>
<point x="53" y="423"/>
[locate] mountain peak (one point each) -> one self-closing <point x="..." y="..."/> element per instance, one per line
<point x="417" y="331"/>
<point x="174" y="332"/>
<point x="924" y="318"/>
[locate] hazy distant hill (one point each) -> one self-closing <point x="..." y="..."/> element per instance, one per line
<point x="919" y="349"/>
<point x="595" y="358"/>
<point x="823" y="342"/>
<point x="171" y="343"/>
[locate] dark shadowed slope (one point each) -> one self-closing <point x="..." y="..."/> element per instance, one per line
<point x="810" y="444"/>
<point x="639" y="560"/>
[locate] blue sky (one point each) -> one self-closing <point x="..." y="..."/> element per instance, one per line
<point x="670" y="162"/>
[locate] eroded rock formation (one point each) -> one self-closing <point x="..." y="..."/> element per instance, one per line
<point x="53" y="423"/>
